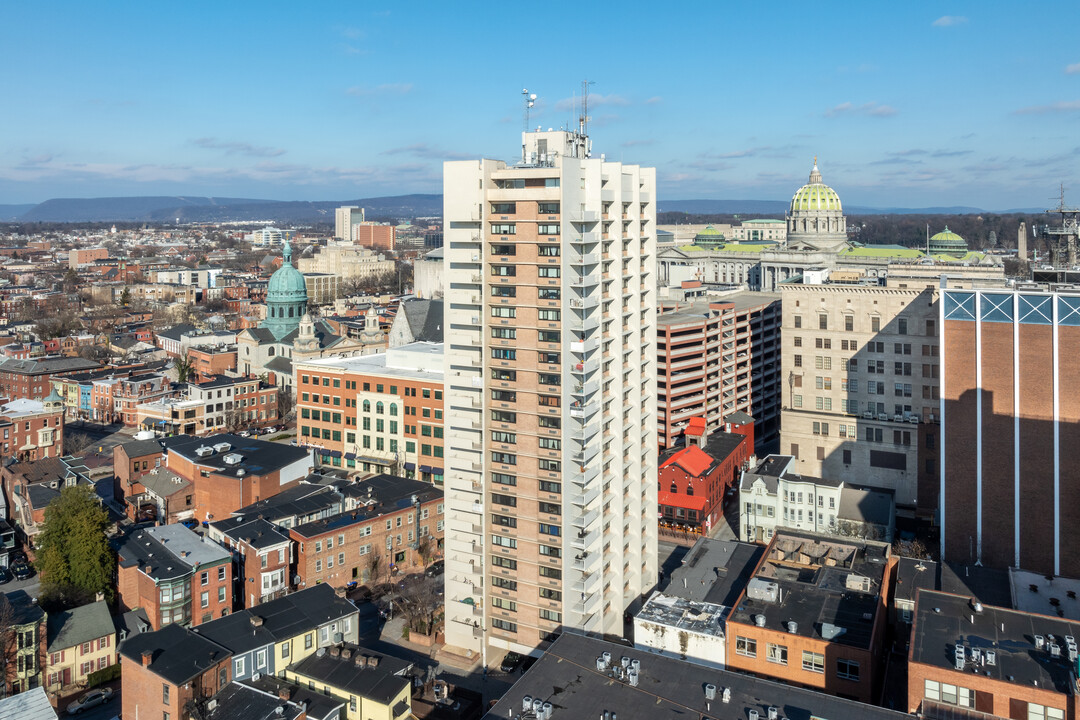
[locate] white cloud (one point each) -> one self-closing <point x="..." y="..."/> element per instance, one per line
<point x="1073" y="69"/>
<point x="949" y="21"/>
<point x="237" y="148"/>
<point x="1065" y="106"/>
<point x="870" y="109"/>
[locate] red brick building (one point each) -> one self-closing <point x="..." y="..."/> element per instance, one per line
<point x="392" y="518"/>
<point x="695" y="479"/>
<point x="262" y="558"/>
<point x="814" y="615"/>
<point x="32" y="379"/>
<point x="230" y="472"/>
<point x="973" y="660"/>
<point x="156" y="685"/>
<point x="174" y="575"/>
<point x="33" y="429"/>
<point x="131" y="461"/>
<point x="210" y="360"/>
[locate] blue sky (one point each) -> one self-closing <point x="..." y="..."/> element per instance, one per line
<point x="906" y="104"/>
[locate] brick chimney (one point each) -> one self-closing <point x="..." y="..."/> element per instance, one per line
<point x="147" y="657"/>
<point x="256" y="621"/>
<point x="696" y="432"/>
<point x="284" y="692"/>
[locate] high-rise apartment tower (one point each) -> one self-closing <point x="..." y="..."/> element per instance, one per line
<point x="550" y="393"/>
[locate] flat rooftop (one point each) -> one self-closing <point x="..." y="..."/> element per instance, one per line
<point x="1049" y="595"/>
<point x="944" y="621"/>
<point x="828" y="586"/>
<point x="667" y="689"/>
<point x="714" y="571"/>
<point x="697" y="617"/>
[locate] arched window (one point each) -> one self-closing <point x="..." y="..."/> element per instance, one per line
<point x="270" y="351"/>
<point x="379" y="408"/>
<point x="674" y="487"/>
<point x="690" y="488"/>
<point x="290" y="312"/>
<point x="393" y="409"/>
<point x="367" y="406"/>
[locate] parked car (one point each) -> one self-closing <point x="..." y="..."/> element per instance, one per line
<point x="5" y="576"/>
<point x="244" y="433"/>
<point x="190" y="523"/>
<point x="18" y="557"/>
<point x="436" y="568"/>
<point x="22" y="571"/>
<point x="90" y="700"/>
<point x="511" y="662"/>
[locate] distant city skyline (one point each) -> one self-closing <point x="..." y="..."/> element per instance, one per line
<point x="913" y="105"/>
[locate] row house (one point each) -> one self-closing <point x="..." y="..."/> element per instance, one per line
<point x="395" y="526"/>
<point x="115" y="399"/>
<point x="30" y="485"/>
<point x="77" y="389"/>
<point x="262" y="557"/>
<point x="33" y="429"/>
<point x="174" y="575"/>
<point x="210" y="360"/>
<point x="131" y="461"/>
<point x="24" y="658"/>
<point x="211" y="406"/>
<point x="230" y="472"/>
<point x="81" y="642"/>
<point x="163" y="670"/>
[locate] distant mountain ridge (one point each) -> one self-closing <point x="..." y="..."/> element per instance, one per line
<point x="166" y="209"/>
<point x="159" y="209"/>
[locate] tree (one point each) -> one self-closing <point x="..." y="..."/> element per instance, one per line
<point x="417" y="602"/>
<point x="425" y="548"/>
<point x="75" y="442"/>
<point x="284" y="402"/>
<point x="184" y="368"/>
<point x="374" y="568"/>
<point x="8" y="645"/>
<point x="125" y="297"/>
<point x="73" y="554"/>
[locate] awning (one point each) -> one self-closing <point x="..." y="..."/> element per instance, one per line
<point x="324" y="451"/>
<point x="426" y="468"/>
<point x="437" y="470"/>
<point x="350" y="456"/>
<point x="335" y="453"/>
<point x="410" y="466"/>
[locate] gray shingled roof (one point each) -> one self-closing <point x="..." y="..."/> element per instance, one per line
<point x="79" y="625"/>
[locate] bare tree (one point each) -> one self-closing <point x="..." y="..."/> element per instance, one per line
<point x="76" y="442"/>
<point x="374" y="567"/>
<point x="418" y="602"/>
<point x="284" y="402"/>
<point x="425" y="548"/>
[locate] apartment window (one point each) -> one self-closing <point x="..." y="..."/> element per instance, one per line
<point x="503" y="583"/>
<point x="507" y="291"/>
<point x="547" y="272"/>
<point x="309" y="640"/>
<point x="501" y="311"/>
<point x="797" y="320"/>
<point x="847" y="669"/>
<point x="549" y="465"/>
<point x="547" y="443"/>
<point x="204" y="599"/>
<point x="548" y="294"/>
<point x="503" y="333"/>
<point x="813" y="662"/>
<point x="548" y="250"/>
<point x="549" y="336"/>
<point x="549" y="315"/>
<point x="547" y="229"/>
<point x="1041" y="712"/>
<point x="503" y="479"/>
<point x="503" y="354"/>
<point x="550" y="615"/>
<point x="238" y="668"/>
<point x="504" y="604"/>
<point x="504" y="521"/>
<point x="823" y="322"/>
<point x="548" y="358"/>
<point x="550" y="487"/>
<point x="504" y="625"/>
<point x="503" y="208"/>
<point x="503" y="229"/>
<point x="549" y="529"/>
<point x="550" y="572"/>
<point x="798" y="361"/>
<point x="503" y="250"/>
<point x="504" y="562"/>
<point x="500" y="436"/>
<point x="745" y="646"/>
<point x="503" y="416"/>
<point x="875" y="324"/>
<point x="504" y="458"/>
<point x="503" y="541"/>
<point x="849" y="323"/>
<point x="504" y="395"/>
<point x="796" y="401"/>
<point x="507" y="500"/>
<point x="777" y="654"/>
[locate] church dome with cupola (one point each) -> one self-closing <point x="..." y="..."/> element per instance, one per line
<point x="815" y="216"/>
<point x="286" y="297"/>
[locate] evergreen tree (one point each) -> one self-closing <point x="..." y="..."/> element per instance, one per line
<point x="73" y="553"/>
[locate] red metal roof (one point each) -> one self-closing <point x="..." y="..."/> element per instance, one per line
<point x="687" y="502"/>
<point x="695" y="425"/>
<point x="693" y="460"/>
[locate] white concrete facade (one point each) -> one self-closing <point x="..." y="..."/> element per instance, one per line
<point x="551" y="394"/>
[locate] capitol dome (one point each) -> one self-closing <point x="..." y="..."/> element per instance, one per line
<point x="286" y="297"/>
<point x="947" y="242"/>
<point x="815" y="216"/>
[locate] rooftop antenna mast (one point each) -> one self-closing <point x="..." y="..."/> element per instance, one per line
<point x="583" y="119"/>
<point x="1064" y="240"/>
<point x="530" y="100"/>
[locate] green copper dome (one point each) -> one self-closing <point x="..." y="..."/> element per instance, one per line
<point x="947" y="242"/>
<point x="815" y="195"/>
<point x="286" y="297"/>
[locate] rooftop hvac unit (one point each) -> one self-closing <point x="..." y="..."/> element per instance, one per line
<point x="1039" y="642"/>
<point x="222" y="447"/>
<point x="959" y="655"/>
<point x="710" y="691"/>
<point x="773" y="713"/>
<point x="204" y="451"/>
<point x="232" y="458"/>
<point x="991" y="657"/>
<point x="726" y="697"/>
